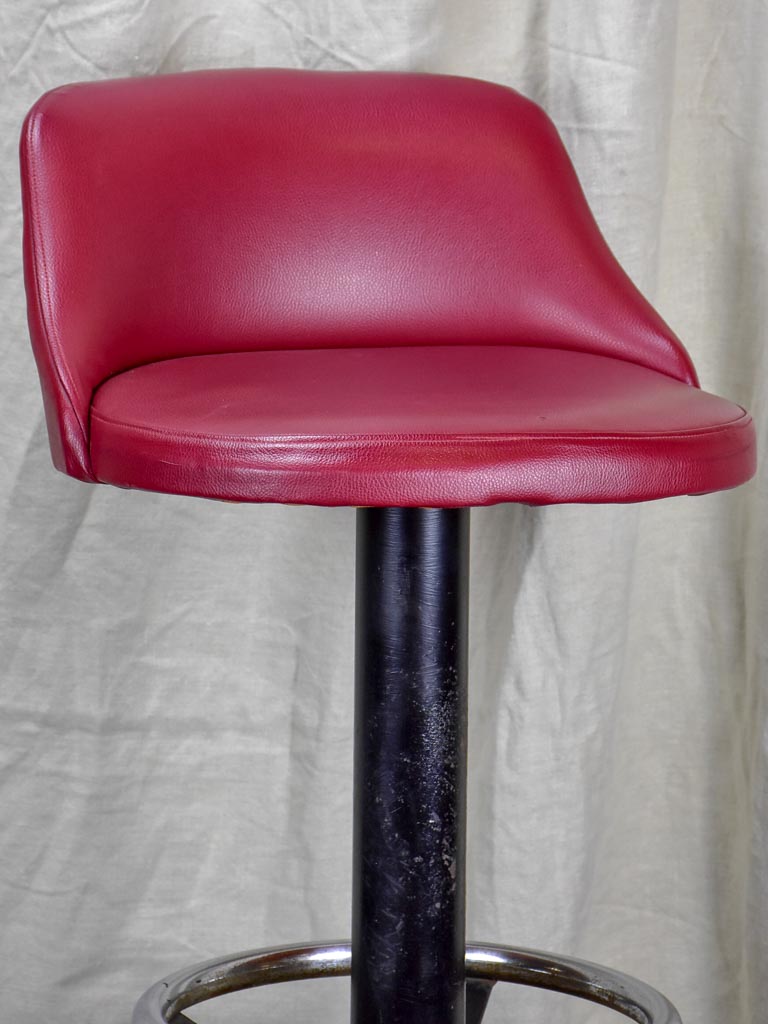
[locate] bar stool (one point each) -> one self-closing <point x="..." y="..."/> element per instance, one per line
<point x="367" y="289"/>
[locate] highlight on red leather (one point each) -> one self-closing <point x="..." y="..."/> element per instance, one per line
<point x="345" y="288"/>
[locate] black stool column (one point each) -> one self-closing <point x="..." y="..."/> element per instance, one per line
<point x="410" y="766"/>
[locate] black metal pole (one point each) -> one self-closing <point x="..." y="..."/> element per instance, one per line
<point x="410" y="766"/>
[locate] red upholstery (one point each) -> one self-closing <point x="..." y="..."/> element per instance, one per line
<point x="426" y="425"/>
<point x="345" y="288"/>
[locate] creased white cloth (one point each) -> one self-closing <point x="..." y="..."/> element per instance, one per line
<point x="176" y="695"/>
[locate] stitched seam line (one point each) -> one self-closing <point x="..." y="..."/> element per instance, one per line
<point x="41" y="282"/>
<point x="495" y="438"/>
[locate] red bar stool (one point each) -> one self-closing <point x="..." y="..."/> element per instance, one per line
<point x="379" y="290"/>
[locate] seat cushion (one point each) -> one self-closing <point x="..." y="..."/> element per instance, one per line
<point x="435" y="426"/>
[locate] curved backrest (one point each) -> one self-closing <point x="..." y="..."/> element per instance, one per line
<point x="231" y="210"/>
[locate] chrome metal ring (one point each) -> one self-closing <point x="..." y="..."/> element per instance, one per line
<point x="165" y="1001"/>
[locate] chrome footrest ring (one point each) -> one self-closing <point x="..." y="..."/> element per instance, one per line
<point x="162" y="1003"/>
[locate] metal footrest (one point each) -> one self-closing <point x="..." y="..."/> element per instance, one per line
<point x="165" y="1001"/>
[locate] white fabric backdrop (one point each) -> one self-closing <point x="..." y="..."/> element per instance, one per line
<point x="175" y="765"/>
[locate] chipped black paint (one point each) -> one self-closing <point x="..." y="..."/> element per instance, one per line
<point x="410" y="766"/>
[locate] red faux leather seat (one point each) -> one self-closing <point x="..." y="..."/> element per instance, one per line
<point x="427" y="425"/>
<point x="376" y="289"/>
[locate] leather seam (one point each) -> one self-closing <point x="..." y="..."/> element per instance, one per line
<point x="41" y="282"/>
<point x="490" y="438"/>
<point x="157" y="361"/>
